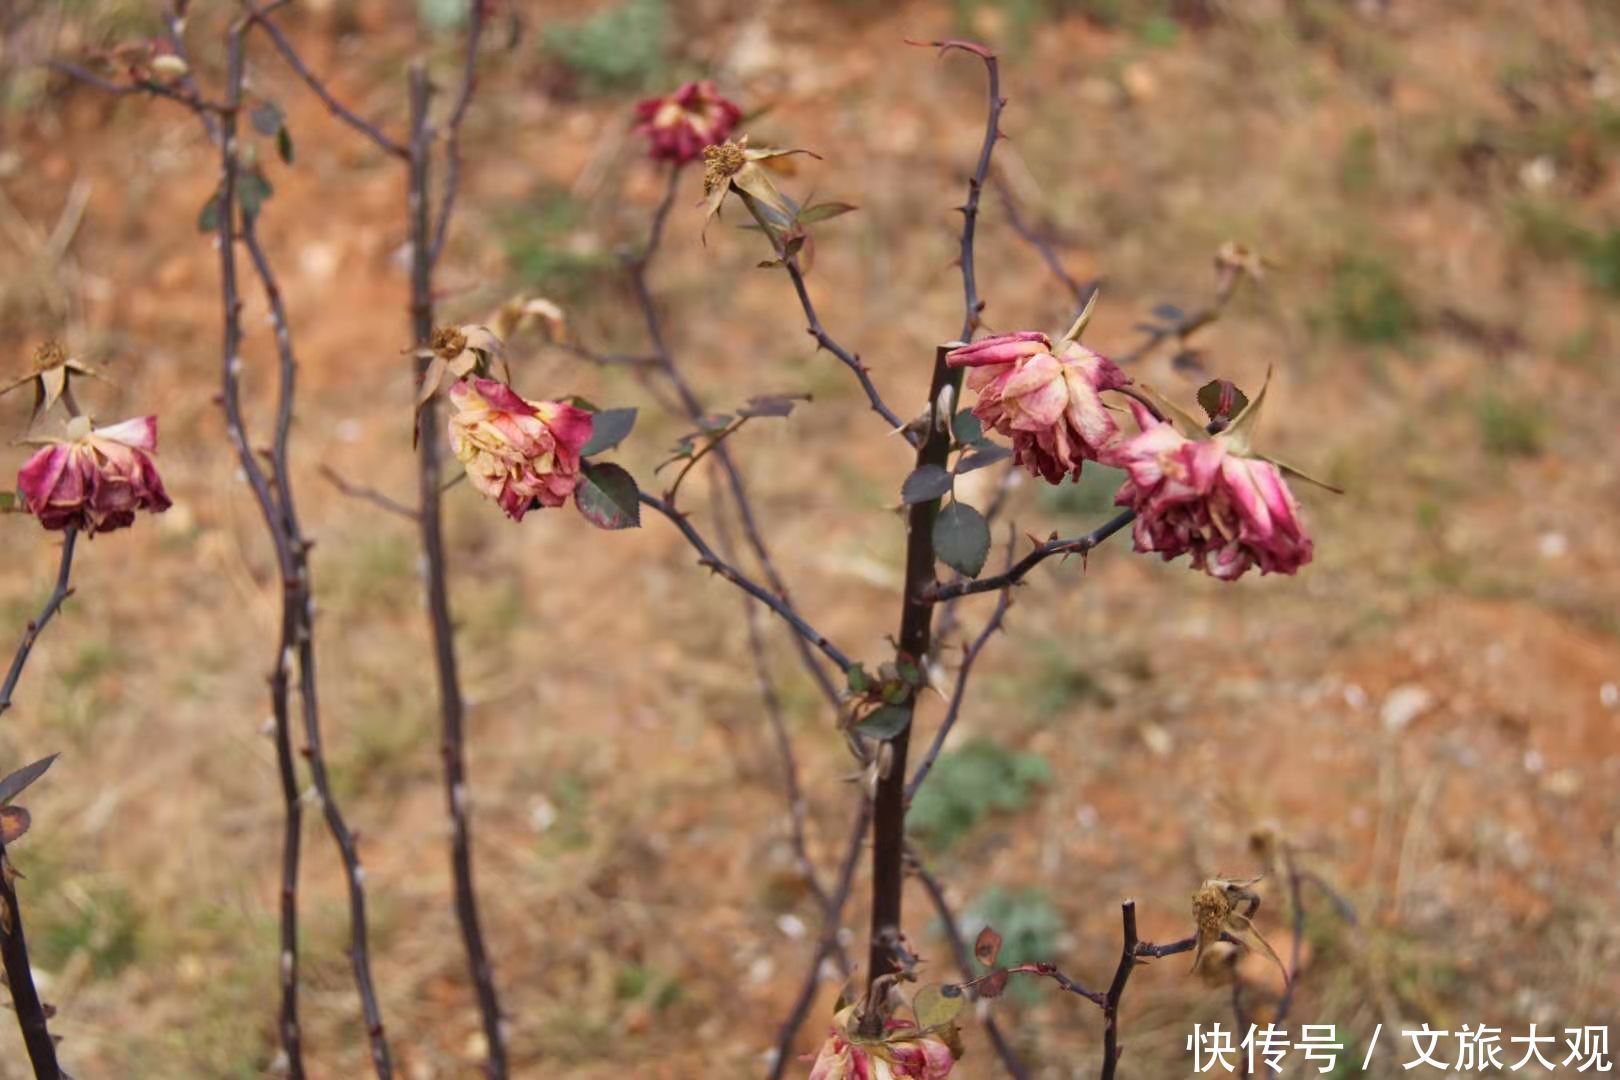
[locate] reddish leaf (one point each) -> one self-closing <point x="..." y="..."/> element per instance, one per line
<point x="988" y="947"/>
<point x="992" y="985"/>
<point x="14" y="821"/>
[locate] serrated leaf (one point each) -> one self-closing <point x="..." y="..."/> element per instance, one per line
<point x="17" y="782"/>
<point x="962" y="538"/>
<point x="284" y="145"/>
<point x="1221" y="399"/>
<point x="934" y="1008"/>
<point x="966" y="428"/>
<point x="609" y="428"/>
<point x="987" y="947"/>
<point x="928" y="482"/>
<point x="608" y="497"/>
<point x="885" y="722"/>
<point x="208" y="216"/>
<point x="14" y="821"/>
<point x="982" y="457"/>
<point x="267" y="118"/>
<point x="823" y="212"/>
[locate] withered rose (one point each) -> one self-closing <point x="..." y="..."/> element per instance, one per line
<point x="1208" y="499"/>
<point x="679" y="126"/>
<point x="902" y="1053"/>
<point x="1045" y="399"/>
<point x="95" y="479"/>
<point x="516" y="452"/>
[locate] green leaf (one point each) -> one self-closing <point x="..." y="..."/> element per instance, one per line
<point x="885" y="722"/>
<point x="823" y="211"/>
<point x="284" y="146"/>
<point x="772" y="405"/>
<point x="962" y="538"/>
<point x="268" y="118"/>
<point x="934" y="1008"/>
<point x="608" y="429"/>
<point x="928" y="482"/>
<point x="608" y="497"/>
<point x="966" y="427"/>
<point x="252" y="189"/>
<point x="857" y="678"/>
<point x="208" y="218"/>
<point x="982" y="457"/>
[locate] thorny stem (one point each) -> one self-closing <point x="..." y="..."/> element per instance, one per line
<point x="849" y="359"/>
<point x="964" y="961"/>
<point x="709" y="559"/>
<point x="973" y="305"/>
<point x="292" y="552"/>
<point x="1078" y="545"/>
<point x="826" y="945"/>
<point x="53" y="603"/>
<point x="451" y="703"/>
<point x="954" y="709"/>
<point x="32" y="1017"/>
<point x="452" y="171"/>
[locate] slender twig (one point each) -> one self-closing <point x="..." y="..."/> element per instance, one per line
<point x="789" y="1030"/>
<point x="451" y="703"/>
<point x="708" y="558"/>
<point x="1078" y="545"/>
<point x="297" y="633"/>
<point x="974" y="306"/>
<point x="638" y="267"/>
<point x="291" y="552"/>
<point x="53" y="603"/>
<point x="452" y="132"/>
<point x="954" y="709"/>
<point x="964" y="961"/>
<point x="849" y="359"/>
<point x="1038" y="239"/>
<point x="260" y="17"/>
<point x="367" y="494"/>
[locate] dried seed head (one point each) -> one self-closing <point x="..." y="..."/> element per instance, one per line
<point x="448" y="342"/>
<point x="720" y="163"/>
<point x="1211" y="906"/>
<point x="49" y="354"/>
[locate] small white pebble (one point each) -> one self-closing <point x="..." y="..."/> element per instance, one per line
<point x="1553" y="545"/>
<point x="1609" y="695"/>
<point x="791" y="925"/>
<point x="1355" y="696"/>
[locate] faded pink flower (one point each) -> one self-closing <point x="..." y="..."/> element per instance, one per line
<point x="681" y="125"/>
<point x="516" y="452"/>
<point x="1045" y="399"/>
<point x="1206" y="499"/>
<point x="902" y="1054"/>
<point x="95" y="479"/>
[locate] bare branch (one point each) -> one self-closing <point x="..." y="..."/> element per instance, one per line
<point x="452" y="171"/>
<point x="368" y="494"/>
<point x="53" y="603"/>
<point x="1078" y="545"/>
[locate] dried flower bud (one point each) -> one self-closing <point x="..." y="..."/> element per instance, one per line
<point x="1046" y="399"/>
<point x="516" y="452"/>
<point x="94" y="480"/>
<point x="679" y="126"/>
<point x="900" y="1053"/>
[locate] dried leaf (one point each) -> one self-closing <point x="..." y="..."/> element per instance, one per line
<point x="993" y="985"/>
<point x="18" y="782"/>
<point x="987" y="947"/>
<point x="14" y="822"/>
<point x="934" y="1009"/>
<point x="608" y="497"/>
<point x="772" y="405"/>
<point x="823" y="212"/>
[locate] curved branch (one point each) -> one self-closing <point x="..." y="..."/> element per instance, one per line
<point x="53" y="603"/>
<point x="458" y="113"/>
<point x="712" y="561"/>
<point x="1079" y="545"/>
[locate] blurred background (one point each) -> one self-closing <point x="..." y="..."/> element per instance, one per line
<point x="1428" y="714"/>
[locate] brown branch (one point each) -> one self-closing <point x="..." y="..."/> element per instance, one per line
<point x="53" y="603"/>
<point x="964" y="961"/>
<point x="368" y="494"/>
<point x="452" y="169"/>
<point x="789" y="1030"/>
<point x="1038" y="239"/>
<point x="261" y="17"/>
<point x="973" y="306"/>
<point x="1078" y="545"/>
<point x="708" y="558"/>
<point x="451" y="703"/>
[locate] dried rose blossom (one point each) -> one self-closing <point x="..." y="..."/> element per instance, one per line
<point x="96" y="478"/>
<point x="516" y="452"/>
<point x="680" y="125"/>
